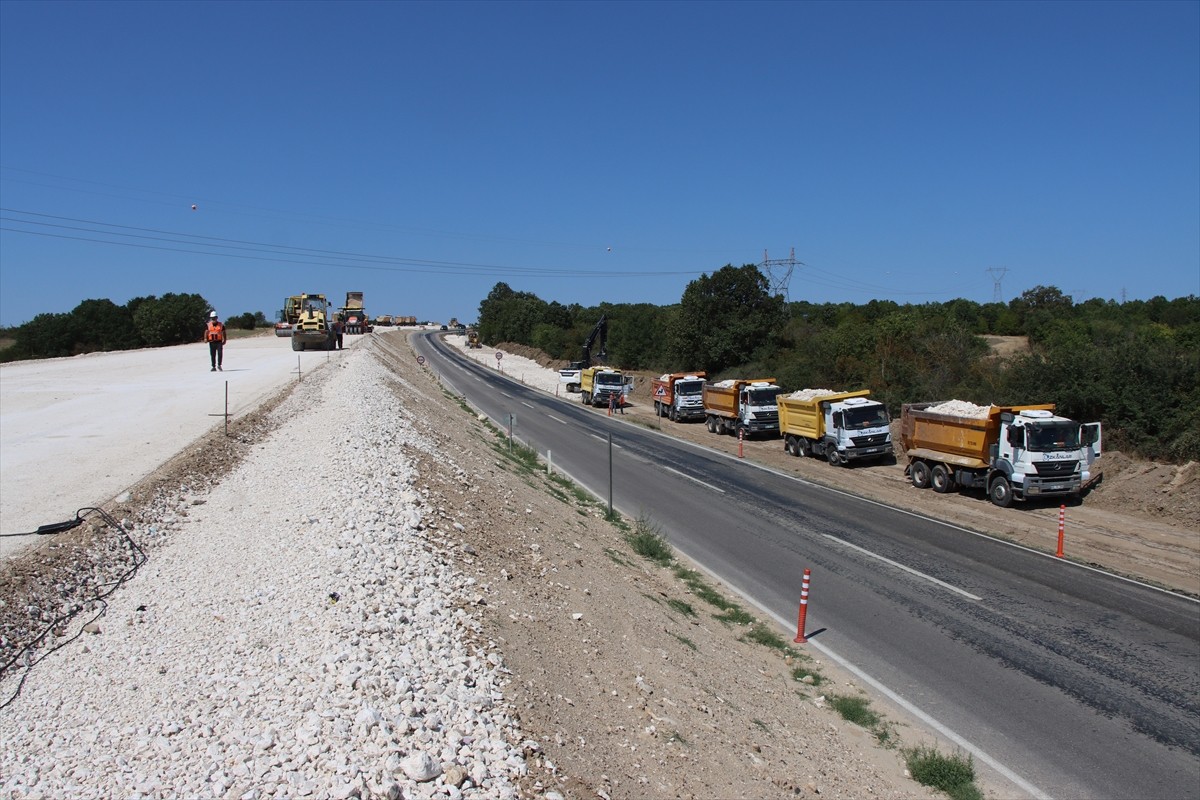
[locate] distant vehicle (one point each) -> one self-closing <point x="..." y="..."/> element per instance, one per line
<point x="679" y="395"/>
<point x="445" y="328"/>
<point x="571" y="375"/>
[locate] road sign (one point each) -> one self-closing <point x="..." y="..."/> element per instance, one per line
<point x="421" y="360"/>
<point x="499" y="355"/>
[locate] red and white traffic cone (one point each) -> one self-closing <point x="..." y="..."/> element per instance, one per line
<point x="800" y="638"/>
<point x="1062" y="520"/>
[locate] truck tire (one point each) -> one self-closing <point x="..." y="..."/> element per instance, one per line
<point x="918" y="472"/>
<point x="940" y="480"/>
<point x="296" y="345"/>
<point x="833" y="456"/>
<point x="657" y="409"/>
<point x="789" y="445"/>
<point x="712" y="426"/>
<point x="673" y="415"/>
<point x="585" y="398"/>
<point x="1000" y="492"/>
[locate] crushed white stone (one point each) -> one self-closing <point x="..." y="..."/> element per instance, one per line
<point x="301" y="634"/>
<point x="961" y="408"/>
<point x="810" y="394"/>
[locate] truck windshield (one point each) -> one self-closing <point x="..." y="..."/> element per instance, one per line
<point x="689" y="388"/>
<point x="1049" y="436"/>
<point x="607" y="379"/>
<point x="762" y="397"/>
<point x="856" y="419"/>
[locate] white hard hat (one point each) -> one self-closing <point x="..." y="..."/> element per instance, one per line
<point x="212" y="314"/>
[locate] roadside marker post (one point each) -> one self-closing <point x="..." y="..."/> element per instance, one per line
<point x="800" y="638"/>
<point x="226" y="414"/>
<point x="1062" y="521"/>
<point x="741" y="431"/>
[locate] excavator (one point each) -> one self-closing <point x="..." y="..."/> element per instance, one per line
<point x="571" y="375"/>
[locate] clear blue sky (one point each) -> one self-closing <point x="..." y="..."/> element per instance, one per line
<point x="588" y="152"/>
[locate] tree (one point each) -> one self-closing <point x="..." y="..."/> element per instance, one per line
<point x="171" y="319"/>
<point x="725" y="319"/>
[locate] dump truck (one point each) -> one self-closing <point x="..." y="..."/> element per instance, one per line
<point x="384" y="320"/>
<point x="570" y="376"/>
<point x="1011" y="452"/>
<point x="839" y="426"/>
<point x="679" y="395"/>
<point x="600" y="386"/>
<point x="747" y="406"/>
<point x="353" y="314"/>
<point x="288" y="316"/>
<point x="314" y="325"/>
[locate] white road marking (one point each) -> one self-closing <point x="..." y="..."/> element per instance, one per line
<point x="558" y="419"/>
<point x="528" y="405"/>
<point x="690" y="478"/>
<point x="898" y="565"/>
<point x="506" y="394"/>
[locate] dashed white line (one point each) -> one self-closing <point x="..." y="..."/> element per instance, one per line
<point x="910" y="570"/>
<point x="690" y="478"/>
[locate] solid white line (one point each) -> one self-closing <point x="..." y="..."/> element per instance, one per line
<point x="908" y="706"/>
<point x="898" y="565"/>
<point x="690" y="478"/>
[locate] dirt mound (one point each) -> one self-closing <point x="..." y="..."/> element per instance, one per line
<point x="1168" y="492"/>
<point x="533" y="354"/>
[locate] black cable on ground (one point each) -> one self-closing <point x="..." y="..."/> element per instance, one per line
<point x="53" y="527"/>
<point x="25" y="657"/>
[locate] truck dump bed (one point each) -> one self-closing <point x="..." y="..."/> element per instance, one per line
<point x="952" y="438"/>
<point x="805" y="417"/>
<point x="723" y="400"/>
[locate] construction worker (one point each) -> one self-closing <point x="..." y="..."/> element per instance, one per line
<point x="214" y="334"/>
<point x="339" y="328"/>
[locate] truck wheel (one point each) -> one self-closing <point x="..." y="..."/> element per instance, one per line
<point x="712" y="428"/>
<point x="297" y="346"/>
<point x="657" y="409"/>
<point x="789" y="446"/>
<point x="939" y="479"/>
<point x="673" y="415"/>
<point x="919" y="473"/>
<point x="804" y="446"/>
<point x="586" y="398"/>
<point x="1001" y="492"/>
<point x="833" y="456"/>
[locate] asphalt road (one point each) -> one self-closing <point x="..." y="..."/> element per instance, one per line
<point x="1063" y="681"/>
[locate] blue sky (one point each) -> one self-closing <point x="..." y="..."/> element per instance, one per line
<point x="589" y="152"/>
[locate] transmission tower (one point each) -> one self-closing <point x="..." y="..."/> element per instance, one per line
<point x="997" y="273"/>
<point x="779" y="272"/>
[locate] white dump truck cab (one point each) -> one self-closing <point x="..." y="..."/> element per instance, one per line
<point x="857" y="428"/>
<point x="758" y="408"/>
<point x="1040" y="454"/>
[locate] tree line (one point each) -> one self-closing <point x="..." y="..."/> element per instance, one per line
<point x="1134" y="366"/>
<point x="101" y="325"/>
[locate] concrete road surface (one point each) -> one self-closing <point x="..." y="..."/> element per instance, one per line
<point x="77" y="432"/>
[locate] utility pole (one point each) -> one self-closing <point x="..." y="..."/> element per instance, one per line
<point x="779" y="272"/>
<point x="997" y="274"/>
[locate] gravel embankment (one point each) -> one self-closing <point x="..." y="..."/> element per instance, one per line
<point x="296" y="632"/>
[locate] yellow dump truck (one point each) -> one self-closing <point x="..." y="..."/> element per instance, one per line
<point x="1011" y="452"/>
<point x="748" y="406"/>
<point x="839" y="426"/>
<point x="600" y="386"/>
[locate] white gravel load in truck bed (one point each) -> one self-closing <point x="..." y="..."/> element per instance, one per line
<point x="961" y="408"/>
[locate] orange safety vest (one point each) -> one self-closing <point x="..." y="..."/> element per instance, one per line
<point x="215" y="332"/>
